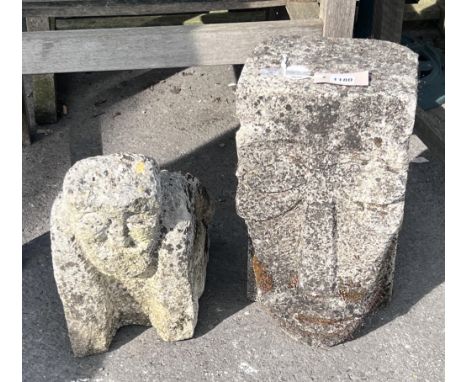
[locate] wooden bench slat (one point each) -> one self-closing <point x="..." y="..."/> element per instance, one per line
<point x="76" y="8"/>
<point x="67" y="23"/>
<point x="152" y="47"/>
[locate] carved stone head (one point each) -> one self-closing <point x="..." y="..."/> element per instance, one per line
<point x="114" y="205"/>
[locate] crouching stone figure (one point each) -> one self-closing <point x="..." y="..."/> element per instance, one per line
<point x="129" y="246"/>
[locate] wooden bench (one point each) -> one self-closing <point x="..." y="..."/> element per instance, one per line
<point x="47" y="50"/>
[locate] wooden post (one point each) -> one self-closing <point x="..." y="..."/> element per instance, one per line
<point x="26" y="139"/>
<point x="26" y="115"/>
<point x="302" y="9"/>
<point x="338" y="18"/>
<point x="388" y="20"/>
<point x="323" y="4"/>
<point x="44" y="97"/>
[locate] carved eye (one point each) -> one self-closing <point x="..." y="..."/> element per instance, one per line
<point x="136" y="222"/>
<point x="141" y="227"/>
<point x="101" y="235"/>
<point x="273" y="175"/>
<point x="96" y="225"/>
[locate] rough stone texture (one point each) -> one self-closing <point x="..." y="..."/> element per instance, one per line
<point x="129" y="246"/>
<point x="322" y="174"/>
<point x="403" y="341"/>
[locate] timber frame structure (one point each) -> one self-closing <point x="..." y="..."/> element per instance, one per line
<point x="49" y="47"/>
<point x="63" y="36"/>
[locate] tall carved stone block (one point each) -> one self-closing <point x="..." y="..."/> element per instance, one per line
<point x="322" y="174"/>
<point x="129" y="246"/>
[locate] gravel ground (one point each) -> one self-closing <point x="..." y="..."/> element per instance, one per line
<point x="185" y="118"/>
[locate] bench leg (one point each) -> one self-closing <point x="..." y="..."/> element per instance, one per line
<point x="26" y="113"/>
<point x="44" y="95"/>
<point x="338" y="17"/>
<point x="26" y="139"/>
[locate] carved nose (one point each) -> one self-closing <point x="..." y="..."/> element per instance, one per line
<point x="118" y="231"/>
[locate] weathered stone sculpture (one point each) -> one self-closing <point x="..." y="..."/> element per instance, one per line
<point x="322" y="174"/>
<point x="129" y="246"/>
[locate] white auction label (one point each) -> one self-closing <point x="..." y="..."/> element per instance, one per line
<point x="347" y="79"/>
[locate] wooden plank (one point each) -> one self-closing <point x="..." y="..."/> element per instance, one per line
<point x="338" y="18"/>
<point x="43" y="85"/>
<point x="388" y="19"/>
<point x="76" y="8"/>
<point x="159" y="20"/>
<point x="302" y="9"/>
<point x="430" y="128"/>
<point x="152" y="47"/>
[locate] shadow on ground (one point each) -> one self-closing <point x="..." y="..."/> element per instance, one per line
<point x="85" y="128"/>
<point x="45" y="340"/>
<point x="215" y="165"/>
<point x="46" y="349"/>
<point x="420" y="261"/>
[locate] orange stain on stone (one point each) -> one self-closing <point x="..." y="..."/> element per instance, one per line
<point x="294" y="281"/>
<point x="262" y="277"/>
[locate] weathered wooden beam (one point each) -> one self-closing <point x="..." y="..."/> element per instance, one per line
<point x="152" y="47"/>
<point x="43" y="85"/>
<point x="302" y="9"/>
<point x="338" y="18"/>
<point x="430" y="128"/>
<point x="159" y="20"/>
<point x="77" y="8"/>
<point x="388" y="19"/>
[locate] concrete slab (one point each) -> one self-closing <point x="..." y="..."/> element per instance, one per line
<point x="186" y="120"/>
